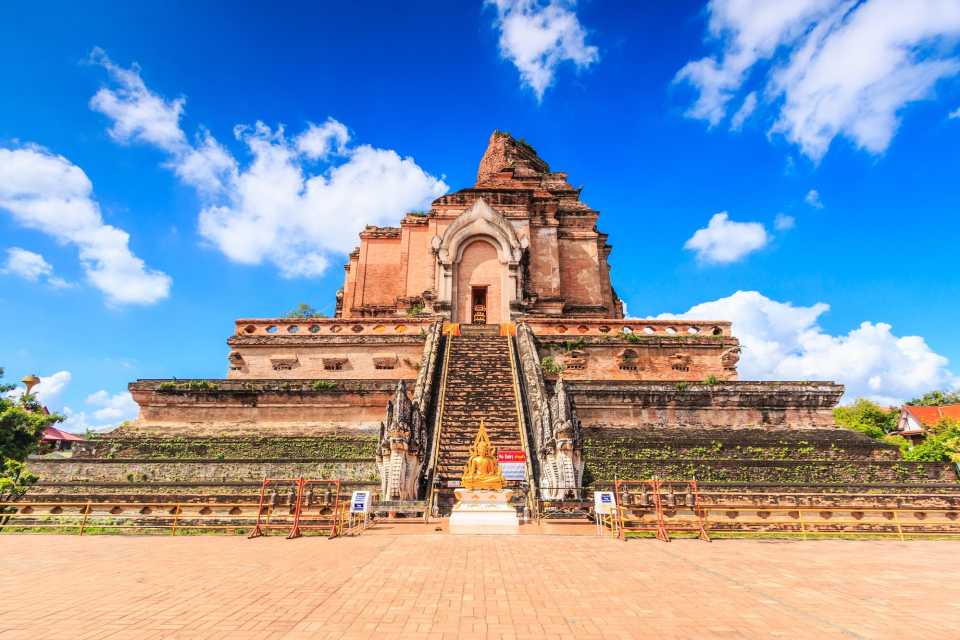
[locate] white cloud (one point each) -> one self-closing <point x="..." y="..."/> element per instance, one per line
<point x="813" y="199"/>
<point x="274" y="209"/>
<point x="953" y="115"/>
<point x="537" y="37"/>
<point x="836" y="67"/>
<point x="783" y="222"/>
<point x="106" y="411"/>
<point x="317" y="143"/>
<point x="48" y="193"/>
<point x="785" y="342"/>
<point x="744" y="112"/>
<point x="50" y="387"/>
<point x="724" y="241"/>
<point x="31" y="266"/>
<point x="137" y="113"/>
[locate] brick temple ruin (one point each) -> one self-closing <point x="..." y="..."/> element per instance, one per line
<point x="498" y="304"/>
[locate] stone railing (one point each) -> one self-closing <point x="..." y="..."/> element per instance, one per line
<point x="557" y="440"/>
<point x="405" y="436"/>
<point x="605" y="327"/>
<point x="331" y="326"/>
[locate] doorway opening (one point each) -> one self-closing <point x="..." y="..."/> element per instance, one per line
<point x="478" y="296"/>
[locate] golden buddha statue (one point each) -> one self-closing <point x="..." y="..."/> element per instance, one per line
<point x="482" y="470"/>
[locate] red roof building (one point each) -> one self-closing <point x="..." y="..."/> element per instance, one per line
<point x="59" y="440"/>
<point x="916" y="420"/>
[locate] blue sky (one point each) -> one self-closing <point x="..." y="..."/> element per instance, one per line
<point x="123" y="118"/>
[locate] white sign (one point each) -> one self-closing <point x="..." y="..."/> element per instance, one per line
<point x="513" y="470"/>
<point x="360" y="502"/>
<point x="603" y="503"/>
<point x="513" y="464"/>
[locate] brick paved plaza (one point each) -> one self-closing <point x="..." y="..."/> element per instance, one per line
<point x="442" y="586"/>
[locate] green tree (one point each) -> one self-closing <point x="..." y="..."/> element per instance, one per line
<point x="22" y="422"/>
<point x="304" y="310"/>
<point x="936" y="399"/>
<point x="942" y="444"/>
<point x="867" y="417"/>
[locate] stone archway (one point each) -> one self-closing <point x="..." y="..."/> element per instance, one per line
<point x="479" y="223"/>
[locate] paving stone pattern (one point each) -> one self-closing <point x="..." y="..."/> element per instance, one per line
<point x="443" y="586"/>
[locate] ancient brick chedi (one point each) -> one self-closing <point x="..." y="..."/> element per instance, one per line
<point x="495" y="304"/>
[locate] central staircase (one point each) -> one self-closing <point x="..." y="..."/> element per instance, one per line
<point x="479" y="385"/>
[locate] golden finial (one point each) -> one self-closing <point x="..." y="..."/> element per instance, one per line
<point x="30" y="382"/>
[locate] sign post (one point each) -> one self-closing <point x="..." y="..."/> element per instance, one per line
<point x="513" y="464"/>
<point x="359" y="508"/>
<point x="605" y="508"/>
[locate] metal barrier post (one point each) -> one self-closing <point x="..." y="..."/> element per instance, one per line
<point x="896" y="517"/>
<point x="176" y="515"/>
<point x="86" y="514"/>
<point x="295" y="529"/>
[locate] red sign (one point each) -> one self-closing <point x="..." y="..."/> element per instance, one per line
<point x="511" y="456"/>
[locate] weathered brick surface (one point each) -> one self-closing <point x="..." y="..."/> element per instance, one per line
<point x="151" y="470"/>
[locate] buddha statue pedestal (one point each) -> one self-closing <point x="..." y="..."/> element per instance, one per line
<point x="484" y="511"/>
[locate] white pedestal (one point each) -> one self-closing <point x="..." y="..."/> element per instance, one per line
<point x="484" y="511"/>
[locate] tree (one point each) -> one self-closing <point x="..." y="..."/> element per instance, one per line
<point x="942" y="444"/>
<point x="304" y="310"/>
<point x="936" y="399"/>
<point x="867" y="417"/>
<point x="22" y="422"/>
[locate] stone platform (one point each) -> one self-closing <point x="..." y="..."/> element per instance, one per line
<point x="484" y="512"/>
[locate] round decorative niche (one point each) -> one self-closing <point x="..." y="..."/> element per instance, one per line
<point x="400" y="328"/>
<point x="293" y="329"/>
<point x="672" y="331"/>
<point x="693" y="330"/>
<point x="357" y="328"/>
<point x="717" y="331"/>
<point x="583" y="328"/>
<point x="249" y="328"/>
<point x="604" y="329"/>
<point x="314" y="328"/>
<point x="379" y="328"/>
<point x="336" y="328"/>
<point x="561" y="328"/>
<point x="649" y="331"/>
<point x="627" y="329"/>
<point x="271" y="329"/>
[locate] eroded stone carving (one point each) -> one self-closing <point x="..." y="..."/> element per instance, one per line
<point x="404" y="441"/>
<point x="557" y="438"/>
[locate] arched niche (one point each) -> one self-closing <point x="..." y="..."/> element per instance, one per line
<point x="479" y="223"/>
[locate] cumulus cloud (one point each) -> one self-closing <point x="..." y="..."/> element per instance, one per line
<point x="50" y="387"/>
<point x="813" y="199"/>
<point x="48" y="193"/>
<point x="105" y="411"/>
<point x="782" y="341"/>
<point x="31" y="266"/>
<point x="954" y="114"/>
<point x="317" y="143"/>
<point x="828" y="67"/>
<point x="538" y="37"/>
<point x="783" y="222"/>
<point x="724" y="241"/>
<point x="275" y="208"/>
